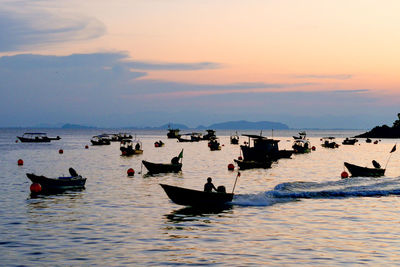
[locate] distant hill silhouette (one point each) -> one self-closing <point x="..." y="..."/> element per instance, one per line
<point x="76" y="126"/>
<point x="248" y="125"/>
<point x="384" y="131"/>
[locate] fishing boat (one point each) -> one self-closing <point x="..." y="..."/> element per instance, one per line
<point x="301" y="146"/>
<point x="159" y="143"/>
<point x="173" y="133"/>
<point x="328" y="142"/>
<point x="213" y="144"/>
<point x="127" y="149"/>
<point x="162" y="167"/>
<point x="302" y="135"/>
<point x="119" y="137"/>
<point x="209" y="135"/>
<point x="263" y="149"/>
<point x="368" y="140"/>
<point x="356" y="171"/>
<point x="100" y="140"/>
<point x="349" y="141"/>
<point x="234" y="139"/>
<point x="196" y="198"/>
<point x="193" y="137"/>
<point x="47" y="184"/>
<point x="252" y="164"/>
<point x="36" y="138"/>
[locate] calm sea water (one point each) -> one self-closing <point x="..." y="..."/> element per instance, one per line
<point x="298" y="212"/>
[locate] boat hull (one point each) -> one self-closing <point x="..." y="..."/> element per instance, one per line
<point x="161" y="167"/>
<point x="52" y="184"/>
<point x="196" y="198"/>
<point x="357" y="171"/>
<point x="251" y="164"/>
<point x="33" y="140"/>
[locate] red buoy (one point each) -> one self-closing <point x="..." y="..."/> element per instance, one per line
<point x="344" y="174"/>
<point x="231" y="167"/>
<point x="60" y="151"/>
<point x="20" y="162"/>
<point x="376" y="142"/>
<point x="35" y="188"/>
<point x="313" y="148"/>
<point x="86" y="147"/>
<point x="156" y="145"/>
<point x="240" y="158"/>
<point x="130" y="172"/>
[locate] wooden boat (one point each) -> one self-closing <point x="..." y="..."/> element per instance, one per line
<point x="162" y="167"/>
<point x="209" y="135"/>
<point x="348" y="141"/>
<point x="302" y="135"/>
<point x="100" y="140"/>
<point x="251" y="164"/>
<point x="301" y="146"/>
<point x="213" y="144"/>
<point x="173" y="133"/>
<point x="120" y="136"/>
<point x="368" y="140"/>
<point x="36" y="138"/>
<point x="196" y="198"/>
<point x="329" y="143"/>
<point x="263" y="149"/>
<point x="159" y="143"/>
<point x="234" y="139"/>
<point x="127" y="148"/>
<point x="194" y="137"/>
<point x="74" y="181"/>
<point x="364" y="171"/>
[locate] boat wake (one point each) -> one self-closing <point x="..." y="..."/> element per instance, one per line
<point x="293" y="191"/>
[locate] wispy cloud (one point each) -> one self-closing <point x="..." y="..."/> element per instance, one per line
<point x="141" y="65"/>
<point x="27" y="26"/>
<point x="333" y="77"/>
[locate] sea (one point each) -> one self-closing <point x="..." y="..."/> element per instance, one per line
<point x="298" y="212"/>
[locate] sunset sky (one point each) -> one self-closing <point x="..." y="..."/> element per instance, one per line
<point x="322" y="64"/>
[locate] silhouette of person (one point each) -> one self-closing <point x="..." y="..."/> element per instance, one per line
<point x="209" y="186"/>
<point x="137" y="147"/>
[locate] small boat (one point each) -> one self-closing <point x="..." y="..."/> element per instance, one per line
<point x="368" y="140"/>
<point x="301" y="146"/>
<point x="209" y="135"/>
<point x="194" y="137"/>
<point x="263" y="149"/>
<point x="302" y="135"/>
<point x="234" y="139"/>
<point x="162" y="167"/>
<point x="364" y="171"/>
<point x="120" y="136"/>
<point x="348" y="141"/>
<point x="213" y="144"/>
<point x="252" y="164"/>
<point x="196" y="198"/>
<point x="159" y="143"/>
<point x="36" y="138"/>
<point x="127" y="148"/>
<point x="173" y="133"/>
<point x="329" y="143"/>
<point x="100" y="140"/>
<point x="74" y="181"/>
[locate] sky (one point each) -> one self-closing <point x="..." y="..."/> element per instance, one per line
<point x="308" y="64"/>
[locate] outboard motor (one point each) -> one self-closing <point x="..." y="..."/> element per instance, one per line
<point x="73" y="172"/>
<point x="221" y="189"/>
<point x="376" y="164"/>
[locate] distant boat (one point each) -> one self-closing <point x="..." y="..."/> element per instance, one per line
<point x="162" y="167"/>
<point x="119" y="137"/>
<point x="263" y="149"/>
<point x="364" y="171"/>
<point x="213" y="144"/>
<point x="209" y="135"/>
<point x="234" y="139"/>
<point x="348" y="141"/>
<point x="36" y="138"/>
<point x="159" y="143"/>
<point x="196" y="198"/>
<point x="194" y="137"/>
<point x="301" y="146"/>
<point x="368" y="140"/>
<point x="302" y="135"/>
<point x="74" y="181"/>
<point x="127" y="148"/>
<point x="100" y="140"/>
<point x="173" y="133"/>
<point x="328" y="142"/>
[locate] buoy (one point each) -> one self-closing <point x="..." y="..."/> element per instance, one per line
<point x="35" y="188"/>
<point x="240" y="158"/>
<point x="344" y="174"/>
<point x="231" y="167"/>
<point x="16" y="141"/>
<point x="86" y="147"/>
<point x="60" y="151"/>
<point x="20" y="162"/>
<point x="130" y="172"/>
<point x="123" y="152"/>
<point x="376" y="142"/>
<point x="313" y="148"/>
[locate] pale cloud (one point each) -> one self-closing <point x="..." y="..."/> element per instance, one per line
<point x="331" y="76"/>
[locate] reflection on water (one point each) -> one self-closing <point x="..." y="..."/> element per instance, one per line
<point x="297" y="212"/>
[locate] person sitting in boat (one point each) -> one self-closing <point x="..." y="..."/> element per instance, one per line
<point x="175" y="160"/>
<point x="209" y="186"/>
<point x="137" y="147"/>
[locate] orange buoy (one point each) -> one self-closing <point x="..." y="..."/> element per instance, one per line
<point x="60" y="151"/>
<point x="86" y="147"/>
<point x="231" y="167"/>
<point x="130" y="172"/>
<point x="313" y="148"/>
<point x="20" y="162"/>
<point x="344" y="174"/>
<point x="35" y="188"/>
<point x="240" y="158"/>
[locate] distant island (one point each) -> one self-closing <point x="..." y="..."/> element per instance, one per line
<point x="76" y="126"/>
<point x="384" y="131"/>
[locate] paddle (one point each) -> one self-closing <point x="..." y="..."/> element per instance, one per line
<point x="238" y="174"/>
